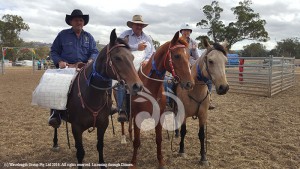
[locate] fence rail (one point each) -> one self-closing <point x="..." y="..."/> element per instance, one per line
<point x="264" y="76"/>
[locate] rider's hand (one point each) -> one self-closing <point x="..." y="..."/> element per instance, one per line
<point x="142" y="46"/>
<point x="144" y="62"/>
<point x="62" y="64"/>
<point x="90" y="61"/>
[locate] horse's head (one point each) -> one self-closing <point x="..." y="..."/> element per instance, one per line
<point x="120" y="63"/>
<point x="213" y="65"/>
<point x="177" y="61"/>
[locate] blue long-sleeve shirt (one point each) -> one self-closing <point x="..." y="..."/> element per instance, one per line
<point x="69" y="48"/>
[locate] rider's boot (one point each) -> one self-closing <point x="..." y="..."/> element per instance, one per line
<point x="54" y="119"/>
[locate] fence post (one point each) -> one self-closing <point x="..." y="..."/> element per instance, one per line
<point x="2" y="62"/>
<point x="270" y="76"/>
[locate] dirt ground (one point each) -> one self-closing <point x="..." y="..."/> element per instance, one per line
<point x="244" y="131"/>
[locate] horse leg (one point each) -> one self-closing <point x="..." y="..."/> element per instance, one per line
<point x="160" y="158"/>
<point x="130" y="129"/>
<point x="175" y="109"/>
<point x="55" y="140"/>
<point x="100" y="136"/>
<point x="181" y="144"/>
<point x="77" y="134"/>
<point x="123" y="137"/>
<point x="136" y="145"/>
<point x="201" y="136"/>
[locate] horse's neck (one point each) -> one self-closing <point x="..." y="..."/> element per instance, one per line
<point x="153" y="85"/>
<point x="200" y="88"/>
<point x="158" y="58"/>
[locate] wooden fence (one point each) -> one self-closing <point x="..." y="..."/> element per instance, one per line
<point x="265" y="76"/>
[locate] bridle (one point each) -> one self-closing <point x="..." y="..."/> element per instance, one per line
<point x="161" y="74"/>
<point x="200" y="75"/>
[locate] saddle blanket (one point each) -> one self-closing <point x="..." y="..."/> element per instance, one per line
<point x="52" y="91"/>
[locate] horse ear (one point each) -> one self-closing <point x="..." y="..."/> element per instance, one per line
<point x="225" y="44"/>
<point x="205" y="43"/>
<point x="175" y="38"/>
<point x="126" y="39"/>
<point x="113" y="38"/>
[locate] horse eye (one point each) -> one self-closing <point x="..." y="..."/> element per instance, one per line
<point x="177" y="56"/>
<point x="210" y="62"/>
<point x="118" y="58"/>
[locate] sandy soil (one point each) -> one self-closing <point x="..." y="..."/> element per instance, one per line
<point x="244" y="131"/>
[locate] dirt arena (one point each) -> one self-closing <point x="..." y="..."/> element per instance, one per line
<point x="244" y="131"/>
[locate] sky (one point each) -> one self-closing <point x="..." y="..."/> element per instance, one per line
<point x="47" y="18"/>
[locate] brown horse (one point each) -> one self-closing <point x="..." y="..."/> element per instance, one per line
<point x="89" y="102"/>
<point x="172" y="57"/>
<point x="210" y="66"/>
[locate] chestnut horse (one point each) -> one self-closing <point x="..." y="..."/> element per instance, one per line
<point x="172" y="57"/>
<point x="89" y="103"/>
<point x="211" y="65"/>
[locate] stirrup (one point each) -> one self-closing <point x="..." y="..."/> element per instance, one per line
<point x="122" y="116"/>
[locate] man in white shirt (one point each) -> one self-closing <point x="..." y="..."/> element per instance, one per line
<point x="142" y="47"/>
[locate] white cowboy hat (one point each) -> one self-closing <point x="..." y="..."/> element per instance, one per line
<point x="138" y="19"/>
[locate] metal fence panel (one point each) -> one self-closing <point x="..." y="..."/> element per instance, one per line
<point x="264" y="76"/>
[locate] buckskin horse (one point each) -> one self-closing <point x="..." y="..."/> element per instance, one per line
<point x="172" y="57"/>
<point x="89" y="103"/>
<point x="211" y="65"/>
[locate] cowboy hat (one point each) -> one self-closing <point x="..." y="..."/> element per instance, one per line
<point x="77" y="13"/>
<point x="138" y="19"/>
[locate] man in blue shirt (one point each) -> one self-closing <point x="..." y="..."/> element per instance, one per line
<point x="72" y="46"/>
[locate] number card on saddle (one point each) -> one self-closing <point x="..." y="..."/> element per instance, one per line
<point x="52" y="91"/>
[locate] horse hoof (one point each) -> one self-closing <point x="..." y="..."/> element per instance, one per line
<point x="132" y="167"/>
<point x="204" y="163"/>
<point x="123" y="139"/>
<point x="55" y="149"/>
<point x="182" y="155"/>
<point x="162" y="167"/>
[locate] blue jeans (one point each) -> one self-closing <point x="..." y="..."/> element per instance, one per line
<point x="209" y="85"/>
<point x="168" y="86"/>
<point x="121" y="93"/>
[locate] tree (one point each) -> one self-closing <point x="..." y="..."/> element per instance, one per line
<point x="200" y="38"/>
<point x="289" y="47"/>
<point x="10" y="28"/>
<point x="24" y="54"/>
<point x="255" y="50"/>
<point x="213" y="23"/>
<point x="156" y="44"/>
<point x="42" y="52"/>
<point x="248" y="24"/>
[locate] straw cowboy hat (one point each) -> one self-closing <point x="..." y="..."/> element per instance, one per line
<point x="136" y="19"/>
<point x="77" y="13"/>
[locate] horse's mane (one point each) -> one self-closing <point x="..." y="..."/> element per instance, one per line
<point x="122" y="41"/>
<point x="220" y="48"/>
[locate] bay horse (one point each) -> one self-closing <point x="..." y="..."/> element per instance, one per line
<point x="172" y="57"/>
<point x="211" y="65"/>
<point x="89" y="102"/>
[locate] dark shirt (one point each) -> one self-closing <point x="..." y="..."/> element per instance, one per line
<point x="69" y="48"/>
